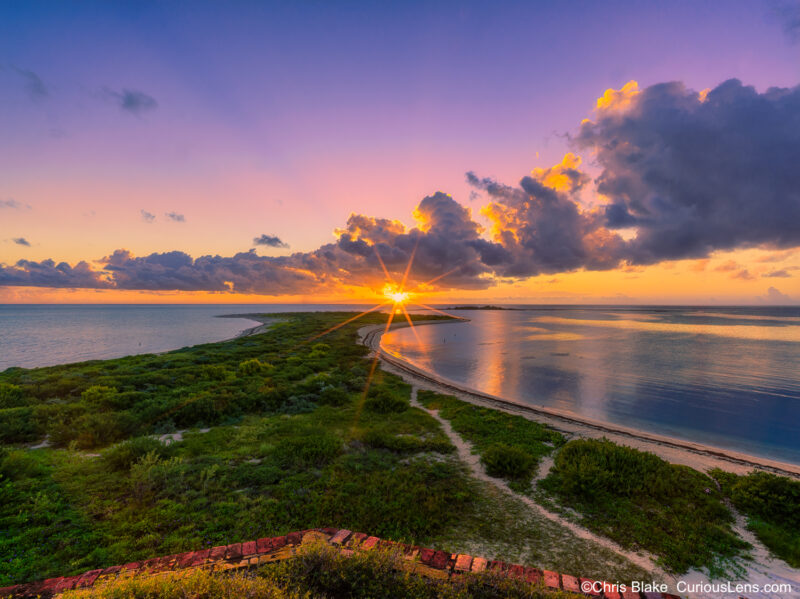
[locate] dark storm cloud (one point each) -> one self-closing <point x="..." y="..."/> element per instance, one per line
<point x="147" y="217"/>
<point x="49" y="274"/>
<point x="21" y="241"/>
<point x="696" y="175"/>
<point x="132" y="101"/>
<point x="447" y="241"/>
<point x="245" y="272"/>
<point x="270" y="241"/>
<point x="174" y="216"/>
<point x="542" y="230"/>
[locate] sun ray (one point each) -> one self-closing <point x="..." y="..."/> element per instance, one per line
<point x="341" y="324"/>
<point x="383" y="265"/>
<point x="437" y="310"/>
<point x="411" y="324"/>
<point x="410" y="262"/>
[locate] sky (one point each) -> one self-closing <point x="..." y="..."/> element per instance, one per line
<point x="274" y="151"/>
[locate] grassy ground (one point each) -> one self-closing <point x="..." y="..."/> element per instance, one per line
<point x="510" y="446"/>
<point x="294" y="445"/>
<point x="772" y="506"/>
<point x="641" y="501"/>
<point x="320" y="572"/>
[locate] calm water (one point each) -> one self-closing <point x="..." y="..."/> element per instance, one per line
<point x="44" y="335"/>
<point x="728" y="377"/>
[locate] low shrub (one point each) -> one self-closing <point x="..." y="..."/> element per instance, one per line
<point x="121" y="457"/>
<point x="772" y="505"/>
<point x="383" y="401"/>
<point x="506" y="461"/>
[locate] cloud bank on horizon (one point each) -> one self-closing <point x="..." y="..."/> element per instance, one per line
<point x="682" y="175"/>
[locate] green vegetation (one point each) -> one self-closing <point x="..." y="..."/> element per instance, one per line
<point x="641" y="501"/>
<point x="294" y="445"/>
<point x="510" y="446"/>
<point x="320" y="572"/>
<point x="772" y="506"/>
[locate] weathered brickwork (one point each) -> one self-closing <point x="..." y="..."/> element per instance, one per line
<point x="428" y="562"/>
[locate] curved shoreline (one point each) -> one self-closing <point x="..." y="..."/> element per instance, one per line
<point x="696" y="455"/>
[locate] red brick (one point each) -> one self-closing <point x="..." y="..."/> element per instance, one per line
<point x="295" y="538"/>
<point x="591" y="587"/>
<point x="479" y="564"/>
<point x="356" y="538"/>
<point x="218" y="552"/>
<point x="200" y="557"/>
<point x="87" y="578"/>
<point x="463" y="562"/>
<point x="249" y="548"/>
<point x="630" y="594"/>
<point x="516" y="571"/>
<point x="264" y="545"/>
<point x="150" y="564"/>
<point x="570" y="583"/>
<point x="184" y="559"/>
<point x="551" y="579"/>
<point x="166" y="563"/>
<point x="6" y="591"/>
<point x="426" y="555"/>
<point x="498" y="566"/>
<point x="278" y="542"/>
<point x="67" y="584"/>
<point x="340" y="536"/>
<point x="370" y="542"/>
<point x="234" y="551"/>
<point x="329" y="531"/>
<point x="111" y="570"/>
<point x="132" y="566"/>
<point x="440" y="560"/>
<point x="533" y="575"/>
<point x="610" y="593"/>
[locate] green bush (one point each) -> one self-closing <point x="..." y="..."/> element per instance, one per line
<point x="333" y="396"/>
<point x="772" y="505"/>
<point x="18" y="425"/>
<point x="121" y="457"/>
<point x="11" y="396"/>
<point x="100" y="397"/>
<point x="383" y="401"/>
<point x="506" y="461"/>
<point x="253" y="367"/>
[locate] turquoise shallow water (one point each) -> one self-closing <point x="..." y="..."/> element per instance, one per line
<point x="45" y="335"/>
<point x="727" y="377"/>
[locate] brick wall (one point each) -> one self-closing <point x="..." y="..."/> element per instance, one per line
<point x="427" y="562"/>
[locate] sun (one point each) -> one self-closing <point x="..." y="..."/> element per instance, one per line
<point x="395" y="294"/>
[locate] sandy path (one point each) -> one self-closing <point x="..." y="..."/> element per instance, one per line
<point x="472" y="460"/>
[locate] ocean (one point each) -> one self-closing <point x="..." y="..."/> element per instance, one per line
<point x="726" y="377"/>
<point x="46" y="335"/>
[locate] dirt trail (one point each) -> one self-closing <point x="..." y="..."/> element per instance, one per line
<point x="466" y="455"/>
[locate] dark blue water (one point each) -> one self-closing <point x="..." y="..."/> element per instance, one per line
<point x="728" y="377"/>
<point x="45" y="335"/>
